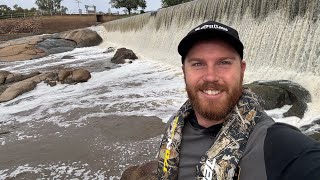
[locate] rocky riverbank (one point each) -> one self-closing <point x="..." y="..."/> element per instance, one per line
<point x="42" y="45"/>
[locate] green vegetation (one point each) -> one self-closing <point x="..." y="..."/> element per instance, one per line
<point x="15" y="12"/>
<point x="129" y="5"/>
<point x="4" y="9"/>
<point x="51" y="6"/>
<point x="167" y="3"/>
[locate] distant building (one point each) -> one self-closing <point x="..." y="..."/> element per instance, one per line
<point x="91" y="9"/>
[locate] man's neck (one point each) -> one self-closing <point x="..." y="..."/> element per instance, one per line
<point x="207" y="122"/>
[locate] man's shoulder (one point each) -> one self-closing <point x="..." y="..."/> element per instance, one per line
<point x="289" y="154"/>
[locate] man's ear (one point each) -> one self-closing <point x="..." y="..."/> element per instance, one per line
<point x="243" y="66"/>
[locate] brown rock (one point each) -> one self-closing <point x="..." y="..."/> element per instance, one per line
<point x="78" y="75"/>
<point x="19" y="77"/>
<point x="3" y="76"/>
<point x="21" y="49"/>
<point x="17" y="89"/>
<point x="81" y="75"/>
<point x="122" y="54"/>
<point x="147" y="171"/>
<point x="50" y="76"/>
<point x="83" y="37"/>
<point x="13" y="78"/>
<point x="63" y="74"/>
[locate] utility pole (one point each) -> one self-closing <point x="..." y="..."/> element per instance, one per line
<point x="80" y="12"/>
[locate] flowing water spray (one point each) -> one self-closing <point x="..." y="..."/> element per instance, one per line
<point x="281" y="37"/>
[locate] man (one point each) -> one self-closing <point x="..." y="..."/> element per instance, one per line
<point x="222" y="132"/>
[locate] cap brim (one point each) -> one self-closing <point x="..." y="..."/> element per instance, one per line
<point x="187" y="42"/>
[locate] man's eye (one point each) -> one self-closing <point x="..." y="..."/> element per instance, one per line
<point x="197" y="64"/>
<point x="225" y="62"/>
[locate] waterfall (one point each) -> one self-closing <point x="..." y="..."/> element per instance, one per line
<point x="281" y="37"/>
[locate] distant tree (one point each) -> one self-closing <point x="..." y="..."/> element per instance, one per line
<point x="19" y="9"/>
<point x="129" y="5"/>
<point x="49" y="5"/>
<point x="4" y="9"/>
<point x="167" y="3"/>
<point x="33" y="9"/>
<point x="64" y="9"/>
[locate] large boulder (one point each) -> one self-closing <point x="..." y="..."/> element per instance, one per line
<point x="76" y="76"/>
<point x="274" y="97"/>
<point x="122" y="54"/>
<point x="21" y="49"/>
<point x="17" y="89"/>
<point x="42" y="45"/>
<point x="278" y="93"/>
<point x="147" y="171"/>
<point x="53" y="46"/>
<point x="82" y="37"/>
<point x="73" y="76"/>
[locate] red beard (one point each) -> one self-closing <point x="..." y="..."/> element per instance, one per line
<point x="212" y="109"/>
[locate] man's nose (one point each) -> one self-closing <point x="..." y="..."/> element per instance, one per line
<point x="211" y="75"/>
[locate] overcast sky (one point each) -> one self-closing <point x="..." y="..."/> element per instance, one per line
<point x="72" y="5"/>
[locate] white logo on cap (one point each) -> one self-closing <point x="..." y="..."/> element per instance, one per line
<point x="212" y="26"/>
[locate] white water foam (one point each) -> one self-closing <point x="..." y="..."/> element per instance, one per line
<point x="144" y="87"/>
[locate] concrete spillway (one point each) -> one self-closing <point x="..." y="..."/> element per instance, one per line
<point x="281" y="37"/>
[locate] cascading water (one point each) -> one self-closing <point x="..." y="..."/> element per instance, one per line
<point x="281" y="38"/>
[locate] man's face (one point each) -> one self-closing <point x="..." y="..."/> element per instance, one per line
<point x="213" y="72"/>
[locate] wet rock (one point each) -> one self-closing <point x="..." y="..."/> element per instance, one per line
<point x="278" y="93"/>
<point x="28" y="82"/>
<point x="49" y="76"/>
<point x="76" y="76"/>
<point x="3" y="76"/>
<point x="308" y="126"/>
<point x="315" y="136"/>
<point x="53" y="46"/>
<point x="273" y="97"/>
<point x="17" y="89"/>
<point x="13" y="78"/>
<point x="67" y="57"/>
<point x="147" y="171"/>
<point x="109" y="50"/>
<point x="82" y="37"/>
<point x="81" y="75"/>
<point x="122" y="54"/>
<point x="19" y="77"/>
<point x="3" y="87"/>
<point x="298" y="108"/>
<point x="50" y="82"/>
<point x="63" y="74"/>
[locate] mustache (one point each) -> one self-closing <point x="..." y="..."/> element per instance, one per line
<point x="212" y="85"/>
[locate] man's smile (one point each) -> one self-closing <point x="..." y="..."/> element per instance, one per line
<point x="211" y="92"/>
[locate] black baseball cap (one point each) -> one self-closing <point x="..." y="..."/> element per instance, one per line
<point x="209" y="30"/>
